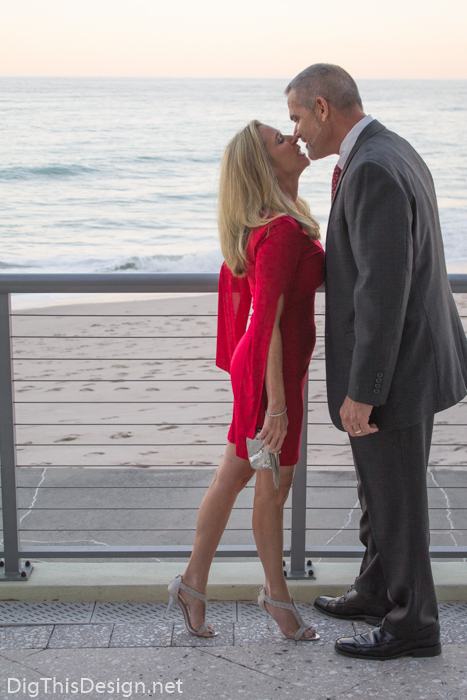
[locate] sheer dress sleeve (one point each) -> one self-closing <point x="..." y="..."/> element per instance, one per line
<point x="233" y="309"/>
<point x="275" y="258"/>
<point x="273" y="252"/>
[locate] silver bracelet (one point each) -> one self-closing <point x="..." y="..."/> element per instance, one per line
<point x="276" y="415"/>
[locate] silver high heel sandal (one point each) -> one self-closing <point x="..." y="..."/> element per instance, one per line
<point x="174" y="595"/>
<point x="298" y="636"/>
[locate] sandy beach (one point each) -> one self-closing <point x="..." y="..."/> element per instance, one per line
<point x="127" y="394"/>
<point x="135" y="384"/>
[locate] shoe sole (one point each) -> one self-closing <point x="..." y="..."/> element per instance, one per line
<point x="369" y="620"/>
<point x="417" y="653"/>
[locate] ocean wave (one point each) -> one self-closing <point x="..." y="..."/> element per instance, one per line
<point x="48" y="171"/>
<point x="9" y="266"/>
<point x="180" y="158"/>
<point x="209" y="261"/>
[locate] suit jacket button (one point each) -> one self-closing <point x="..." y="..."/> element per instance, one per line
<point x="380" y="374"/>
<point x="376" y="391"/>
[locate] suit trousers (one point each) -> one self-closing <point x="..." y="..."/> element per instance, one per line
<point x="395" y="575"/>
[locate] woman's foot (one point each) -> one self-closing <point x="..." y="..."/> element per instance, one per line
<point x="287" y="618"/>
<point x="181" y="593"/>
<point x="196" y="612"/>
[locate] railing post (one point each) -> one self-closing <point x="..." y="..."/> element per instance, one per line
<point x="11" y="565"/>
<point x="298" y="567"/>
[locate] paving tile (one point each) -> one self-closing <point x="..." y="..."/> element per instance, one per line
<point x="439" y="678"/>
<point x="151" y="611"/>
<point x="25" y="637"/>
<point x="141" y="635"/>
<point x="128" y="611"/>
<point x="182" y="638"/>
<point x="313" y="667"/>
<point x="453" y="622"/>
<point x="76" y="636"/>
<point x="17" y="654"/>
<point x="246" y="633"/>
<point x="11" y="670"/>
<point x="203" y="676"/>
<point x="31" y="612"/>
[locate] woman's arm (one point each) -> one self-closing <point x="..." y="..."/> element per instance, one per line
<point x="275" y="429"/>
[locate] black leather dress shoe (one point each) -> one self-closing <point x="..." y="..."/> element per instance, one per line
<point x="350" y="606"/>
<point x="379" y="645"/>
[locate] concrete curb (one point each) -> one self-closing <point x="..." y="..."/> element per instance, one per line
<point x="142" y="581"/>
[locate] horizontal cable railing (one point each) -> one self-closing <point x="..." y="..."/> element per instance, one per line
<point x="71" y="451"/>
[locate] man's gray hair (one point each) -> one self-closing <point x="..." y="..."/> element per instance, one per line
<point x="328" y="81"/>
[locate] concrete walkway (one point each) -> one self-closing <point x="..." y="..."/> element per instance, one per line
<point x="124" y="643"/>
<point x="228" y="580"/>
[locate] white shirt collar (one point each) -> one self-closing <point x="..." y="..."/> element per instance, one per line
<point x="349" y="142"/>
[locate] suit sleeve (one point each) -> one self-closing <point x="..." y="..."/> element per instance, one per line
<point x="379" y="218"/>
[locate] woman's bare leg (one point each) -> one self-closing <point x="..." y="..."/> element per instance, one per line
<point x="231" y="476"/>
<point x="268" y="529"/>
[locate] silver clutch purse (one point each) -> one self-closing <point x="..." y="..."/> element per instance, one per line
<point x="260" y="457"/>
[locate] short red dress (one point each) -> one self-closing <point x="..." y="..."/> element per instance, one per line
<point x="282" y="259"/>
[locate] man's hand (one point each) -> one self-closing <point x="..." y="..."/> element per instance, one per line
<point x="354" y="416"/>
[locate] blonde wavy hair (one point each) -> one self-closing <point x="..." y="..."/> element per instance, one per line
<point x="250" y="196"/>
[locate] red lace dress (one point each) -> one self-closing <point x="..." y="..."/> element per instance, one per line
<point x="282" y="259"/>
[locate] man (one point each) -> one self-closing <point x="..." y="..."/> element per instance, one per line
<point x="396" y="354"/>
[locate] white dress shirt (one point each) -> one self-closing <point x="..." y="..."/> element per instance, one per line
<point x="349" y="142"/>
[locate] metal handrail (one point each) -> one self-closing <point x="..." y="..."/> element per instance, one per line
<point x="137" y="283"/>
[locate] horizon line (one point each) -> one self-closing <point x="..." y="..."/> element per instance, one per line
<point x="209" y="77"/>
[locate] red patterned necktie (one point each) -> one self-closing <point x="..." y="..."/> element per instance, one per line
<point x="335" y="180"/>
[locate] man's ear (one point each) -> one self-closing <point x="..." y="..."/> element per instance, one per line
<point x="321" y="109"/>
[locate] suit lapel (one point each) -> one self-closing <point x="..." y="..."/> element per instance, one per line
<point x="373" y="128"/>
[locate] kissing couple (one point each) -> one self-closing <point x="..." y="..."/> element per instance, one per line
<point x="396" y="354"/>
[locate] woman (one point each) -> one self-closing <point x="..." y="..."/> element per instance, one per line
<point x="272" y="257"/>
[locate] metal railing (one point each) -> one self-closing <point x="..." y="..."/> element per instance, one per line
<point x="298" y="550"/>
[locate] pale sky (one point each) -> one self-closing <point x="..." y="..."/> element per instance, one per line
<point x="233" y="38"/>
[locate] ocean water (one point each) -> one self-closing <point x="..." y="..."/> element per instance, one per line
<point x="120" y="174"/>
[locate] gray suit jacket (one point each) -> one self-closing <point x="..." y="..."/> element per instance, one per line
<point x="393" y="334"/>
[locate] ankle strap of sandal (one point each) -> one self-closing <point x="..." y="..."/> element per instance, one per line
<point x="192" y="592"/>
<point x="288" y="606"/>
